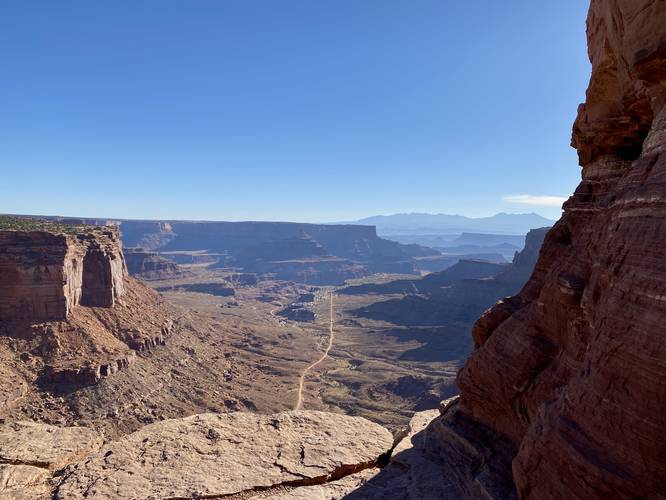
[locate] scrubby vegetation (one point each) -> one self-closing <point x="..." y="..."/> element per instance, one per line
<point x="13" y="223"/>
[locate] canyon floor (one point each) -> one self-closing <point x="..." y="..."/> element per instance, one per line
<point x="238" y="352"/>
<point x="373" y="369"/>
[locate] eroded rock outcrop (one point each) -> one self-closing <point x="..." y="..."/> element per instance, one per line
<point x="457" y="295"/>
<point x="297" y="312"/>
<point x="572" y="371"/>
<point x="433" y="460"/>
<point x="411" y="472"/>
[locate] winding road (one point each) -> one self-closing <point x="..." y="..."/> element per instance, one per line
<point x="331" y="339"/>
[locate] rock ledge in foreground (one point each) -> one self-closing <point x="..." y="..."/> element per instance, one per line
<point x="226" y="454"/>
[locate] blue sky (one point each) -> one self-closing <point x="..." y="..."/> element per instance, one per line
<point x="307" y="110"/>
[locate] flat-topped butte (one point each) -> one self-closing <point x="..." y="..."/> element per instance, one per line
<point x="28" y="224"/>
<point x="48" y="268"/>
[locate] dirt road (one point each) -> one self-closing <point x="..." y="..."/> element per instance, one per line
<point x="331" y="339"/>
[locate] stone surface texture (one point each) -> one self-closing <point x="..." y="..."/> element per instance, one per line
<point x="228" y="454"/>
<point x="572" y="371"/>
<point x="298" y="455"/>
<point x="30" y="453"/>
<point x="411" y="474"/>
<point x="437" y="458"/>
<point x="24" y="482"/>
<point x="45" y="446"/>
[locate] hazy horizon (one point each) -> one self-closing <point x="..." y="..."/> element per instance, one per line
<point x="304" y="221"/>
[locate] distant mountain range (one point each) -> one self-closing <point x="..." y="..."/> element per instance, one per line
<point x="442" y="224"/>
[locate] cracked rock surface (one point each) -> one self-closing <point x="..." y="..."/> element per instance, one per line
<point x="30" y="452"/>
<point x="227" y="454"/>
<point x="24" y="482"/>
<point x="45" y="446"/>
<point x="413" y="473"/>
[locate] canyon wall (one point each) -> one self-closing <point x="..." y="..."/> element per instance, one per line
<point x="103" y="268"/>
<point x="455" y="296"/>
<point x="149" y="265"/>
<point x="44" y="275"/>
<point x="60" y="286"/>
<point x="265" y="246"/>
<point x="571" y="373"/>
<point x="274" y="241"/>
<point x="146" y="234"/>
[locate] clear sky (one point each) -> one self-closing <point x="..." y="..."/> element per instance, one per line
<point x="308" y="110"/>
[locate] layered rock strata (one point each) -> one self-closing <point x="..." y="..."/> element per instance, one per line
<point x="45" y="275"/>
<point x="149" y="265"/>
<point x="69" y="313"/>
<point x="571" y="372"/>
<point x="315" y="253"/>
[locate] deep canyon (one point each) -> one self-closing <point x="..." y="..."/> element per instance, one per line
<point x="169" y="359"/>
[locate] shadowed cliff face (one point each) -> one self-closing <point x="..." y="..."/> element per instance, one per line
<point x="148" y="265"/>
<point x="456" y="295"/>
<point x="573" y="369"/>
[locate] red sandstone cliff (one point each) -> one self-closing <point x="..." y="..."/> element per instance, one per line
<point x="68" y="305"/>
<point x="45" y="275"/>
<point x="565" y="394"/>
<point x="570" y="375"/>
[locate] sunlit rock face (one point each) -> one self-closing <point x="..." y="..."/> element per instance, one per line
<point x="67" y="301"/>
<point x="234" y="454"/>
<point x="44" y="276"/>
<point x="573" y="370"/>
